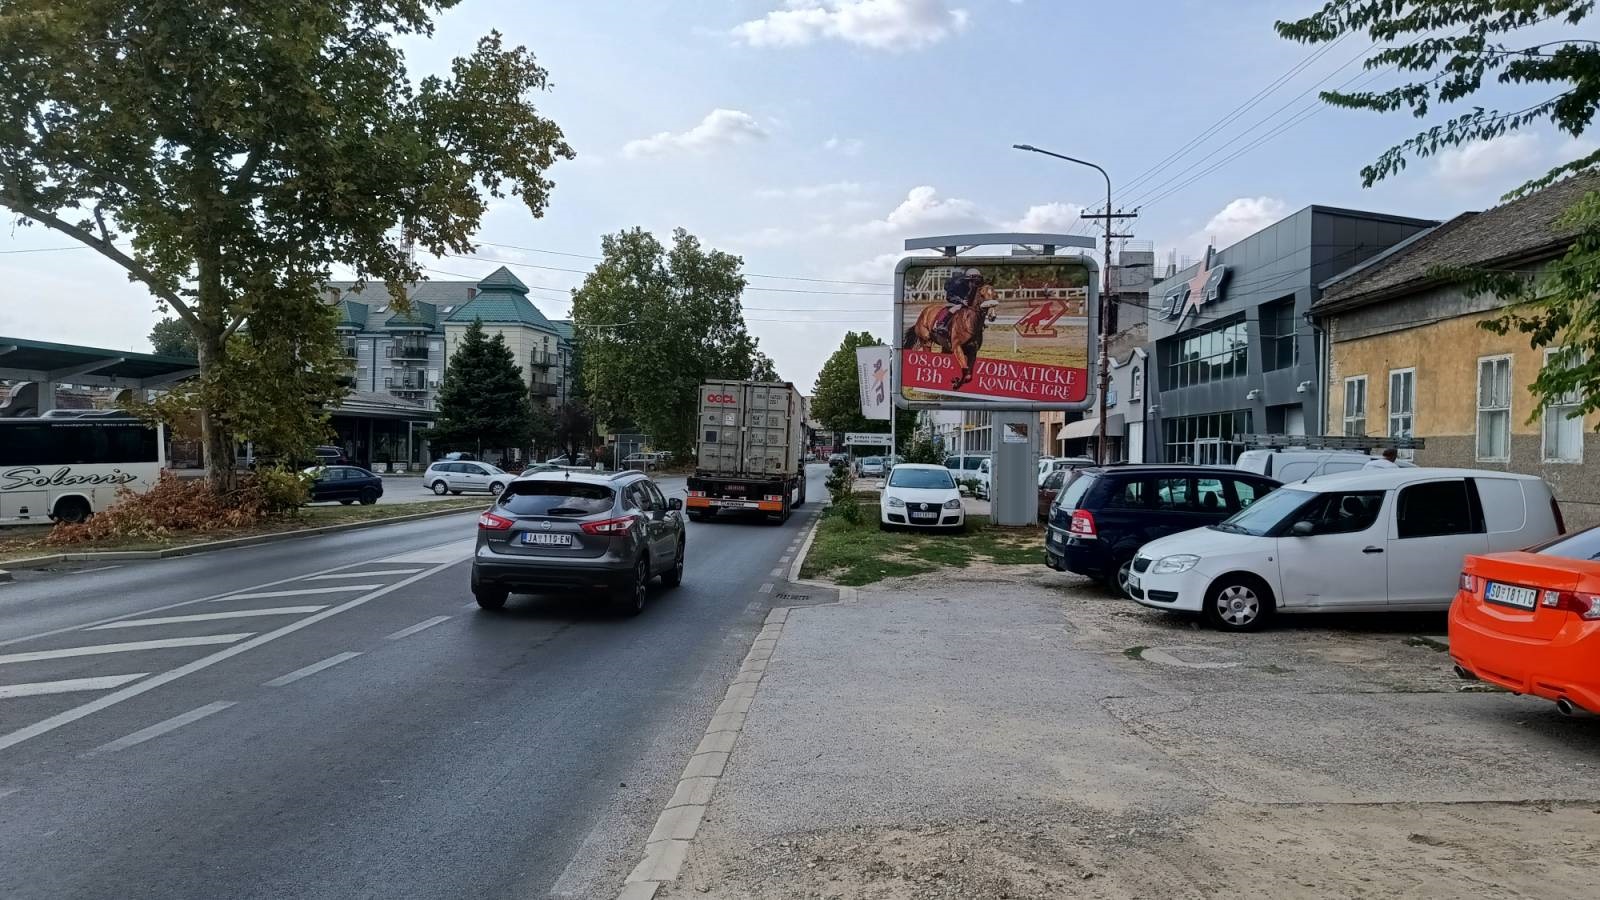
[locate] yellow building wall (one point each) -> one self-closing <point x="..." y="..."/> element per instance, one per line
<point x="1445" y="355"/>
<point x="524" y="342"/>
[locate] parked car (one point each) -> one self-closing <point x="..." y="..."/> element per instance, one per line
<point x="1049" y="488"/>
<point x="1057" y="464"/>
<point x="1105" y="514"/>
<point x="1298" y="465"/>
<point x="964" y="465"/>
<point x="838" y="460"/>
<point x="870" y="467"/>
<point x="641" y="461"/>
<point x="983" y="475"/>
<point x="455" y="477"/>
<point x="1376" y="539"/>
<point x="920" y="496"/>
<point x="579" y="531"/>
<point x="1530" y="621"/>
<point x="562" y="460"/>
<point x="346" y="484"/>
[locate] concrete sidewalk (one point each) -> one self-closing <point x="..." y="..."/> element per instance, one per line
<point x="991" y="733"/>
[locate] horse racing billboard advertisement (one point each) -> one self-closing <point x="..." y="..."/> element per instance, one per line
<point x="1010" y="332"/>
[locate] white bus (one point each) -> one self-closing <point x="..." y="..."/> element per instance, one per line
<point x="68" y="464"/>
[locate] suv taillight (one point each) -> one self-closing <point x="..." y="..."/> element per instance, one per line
<point x="619" y="525"/>
<point x="492" y="522"/>
<point x="1083" y="524"/>
<point x="1587" y="606"/>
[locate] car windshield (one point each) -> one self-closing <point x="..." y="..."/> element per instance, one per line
<point x="1584" y="545"/>
<point x="1263" y="516"/>
<point x="541" y="497"/>
<point x="925" y="479"/>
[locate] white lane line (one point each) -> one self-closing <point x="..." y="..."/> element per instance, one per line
<point x="766" y="588"/>
<point x="97" y="569"/>
<point x="777" y="573"/>
<point x="160" y="728"/>
<point x="207" y="617"/>
<point x="372" y="574"/>
<point x="40" y="688"/>
<point x="6" y="792"/>
<point x="129" y="647"/>
<point x="455" y="551"/>
<point x="300" y="592"/>
<point x="149" y="684"/>
<point x="312" y="669"/>
<point x="424" y="624"/>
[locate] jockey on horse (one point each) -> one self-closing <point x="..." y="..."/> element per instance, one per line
<point x="959" y="291"/>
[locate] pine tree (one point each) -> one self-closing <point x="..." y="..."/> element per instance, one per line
<point x="483" y="402"/>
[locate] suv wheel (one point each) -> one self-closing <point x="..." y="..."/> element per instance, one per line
<point x="440" y="488"/>
<point x="1120" y="579"/>
<point x="1238" y="603"/>
<point x="630" y="599"/>
<point x="674" y="576"/>
<point x="490" y="598"/>
<point x="369" y="496"/>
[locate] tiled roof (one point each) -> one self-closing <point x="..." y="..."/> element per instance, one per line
<point x="564" y="328"/>
<point x="1522" y="230"/>
<point x="352" y="314"/>
<point x="423" y="315"/>
<point x="502" y="298"/>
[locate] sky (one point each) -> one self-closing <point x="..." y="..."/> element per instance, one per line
<point x="812" y="137"/>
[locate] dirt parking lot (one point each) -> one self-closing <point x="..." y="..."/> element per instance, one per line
<point x="1008" y="732"/>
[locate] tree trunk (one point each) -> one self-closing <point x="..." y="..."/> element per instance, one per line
<point x="210" y="332"/>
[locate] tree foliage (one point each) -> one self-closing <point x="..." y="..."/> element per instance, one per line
<point x="656" y="323"/>
<point x="574" y="428"/>
<point x="1488" y="41"/>
<point x="483" y="401"/>
<point x="171" y="337"/>
<point x="762" y="368"/>
<point x="836" y="398"/>
<point x="226" y="155"/>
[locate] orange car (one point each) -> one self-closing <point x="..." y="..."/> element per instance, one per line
<point x="1530" y="621"/>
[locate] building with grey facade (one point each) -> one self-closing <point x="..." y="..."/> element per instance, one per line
<point x="1230" y="349"/>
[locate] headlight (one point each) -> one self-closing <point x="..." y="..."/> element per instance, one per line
<point x="896" y="502"/>
<point x="953" y="504"/>
<point x="1172" y="565"/>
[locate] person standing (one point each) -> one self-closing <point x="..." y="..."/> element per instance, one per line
<point x="1386" y="461"/>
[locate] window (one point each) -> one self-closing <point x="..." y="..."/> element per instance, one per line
<point x="1279" y="349"/>
<point x="1402" y="402"/>
<point x="656" y="498"/>
<point x="1172" y="493"/>
<point x="537" y="497"/>
<point x="1052" y="482"/>
<point x="1128" y="495"/>
<point x="1435" y="508"/>
<point x="1343" y="513"/>
<point x="1494" y="408"/>
<point x="1215" y="353"/>
<point x="1209" y="490"/>
<point x="1355" y="405"/>
<point x="1247" y="492"/>
<point x="1584" y="545"/>
<point x="1138" y="385"/>
<point x="1563" y="420"/>
<point x="69" y="443"/>
<point x="1215" y="436"/>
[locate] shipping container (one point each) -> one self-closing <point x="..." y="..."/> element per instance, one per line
<point x="750" y="442"/>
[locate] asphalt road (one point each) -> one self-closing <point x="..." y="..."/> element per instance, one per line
<point x="333" y="717"/>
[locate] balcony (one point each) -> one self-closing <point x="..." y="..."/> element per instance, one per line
<point x="416" y="350"/>
<point x="545" y="389"/>
<point x="406" y="384"/>
<point x="539" y="359"/>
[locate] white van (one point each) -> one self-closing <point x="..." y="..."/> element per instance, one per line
<point x="1379" y="539"/>
<point x="1300" y="464"/>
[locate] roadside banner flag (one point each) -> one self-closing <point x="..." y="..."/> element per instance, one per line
<point x="872" y="368"/>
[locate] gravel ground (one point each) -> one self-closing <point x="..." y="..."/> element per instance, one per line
<point x="1011" y="732"/>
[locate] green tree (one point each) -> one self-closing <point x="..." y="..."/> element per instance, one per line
<point x="226" y="155"/>
<point x="171" y="337"/>
<point x="657" y="323"/>
<point x="763" y="368"/>
<point x="1458" y="45"/>
<point x="836" y="398"/>
<point x="483" y="401"/>
<point x="574" y="428"/>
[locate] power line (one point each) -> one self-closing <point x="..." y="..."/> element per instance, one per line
<point x="773" y="290"/>
<point x="747" y="274"/>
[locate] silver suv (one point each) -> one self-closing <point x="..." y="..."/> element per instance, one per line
<point x="577" y="531"/>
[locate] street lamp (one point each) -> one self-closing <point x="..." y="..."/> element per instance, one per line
<point x="1105" y="296"/>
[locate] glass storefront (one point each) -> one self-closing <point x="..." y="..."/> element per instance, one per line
<point x="1208" y="440"/>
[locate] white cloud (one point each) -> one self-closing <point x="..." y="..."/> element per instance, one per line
<point x="1048" y="218"/>
<point x="894" y="25"/>
<point x="922" y="210"/>
<point x="810" y="191"/>
<point x="720" y="128"/>
<point x="845" y="146"/>
<point x="1495" y="162"/>
<point x="1236" y="221"/>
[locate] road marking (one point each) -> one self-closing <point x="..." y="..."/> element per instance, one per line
<point x="374" y="574"/>
<point x="160" y="728"/>
<point x="776" y="573"/>
<point x="40" y="688"/>
<point x="453" y="552"/>
<point x="98" y="569"/>
<point x="207" y="617"/>
<point x="784" y="559"/>
<point x="312" y="669"/>
<point x="129" y="647"/>
<point x="424" y="624"/>
<point x="300" y="592"/>
<point x="766" y="588"/>
<point x="133" y="690"/>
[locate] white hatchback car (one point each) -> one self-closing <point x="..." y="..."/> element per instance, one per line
<point x="1376" y="539"/>
<point x="920" y="496"/>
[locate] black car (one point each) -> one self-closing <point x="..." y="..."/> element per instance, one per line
<point x="576" y="531"/>
<point x="346" y="484"/>
<point x="1105" y="514"/>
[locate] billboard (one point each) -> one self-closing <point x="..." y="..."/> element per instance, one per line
<point x="1010" y="332"/>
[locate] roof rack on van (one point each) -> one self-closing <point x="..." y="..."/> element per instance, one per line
<point x="1329" y="442"/>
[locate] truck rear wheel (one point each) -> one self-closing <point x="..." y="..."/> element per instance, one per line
<point x="802" y="499"/>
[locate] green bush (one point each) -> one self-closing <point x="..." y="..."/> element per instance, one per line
<point x="842" y="492"/>
<point x="924" y="451"/>
<point x="278" y="489"/>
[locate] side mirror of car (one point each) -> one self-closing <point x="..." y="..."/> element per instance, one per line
<point x="1303" y="529"/>
<point x="675" y="504"/>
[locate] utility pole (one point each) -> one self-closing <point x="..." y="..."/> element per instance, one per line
<point x="1109" y="216"/>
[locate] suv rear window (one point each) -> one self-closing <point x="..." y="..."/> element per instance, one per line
<point x="1076" y="491"/>
<point x="1584" y="545"/>
<point x="540" y="497"/>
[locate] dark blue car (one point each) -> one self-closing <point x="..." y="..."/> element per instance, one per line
<point x="1105" y="514"/>
<point x="346" y="484"/>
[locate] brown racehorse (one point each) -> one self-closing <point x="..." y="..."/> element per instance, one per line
<point x="962" y="336"/>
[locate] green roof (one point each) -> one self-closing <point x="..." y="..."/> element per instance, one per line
<point x="564" y="328"/>
<point x="352" y="314"/>
<point x="422" y="315"/>
<point x="502" y="298"/>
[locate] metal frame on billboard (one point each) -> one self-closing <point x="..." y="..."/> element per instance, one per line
<point x="951" y="247"/>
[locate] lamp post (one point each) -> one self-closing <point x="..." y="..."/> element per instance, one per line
<point x="1105" y="298"/>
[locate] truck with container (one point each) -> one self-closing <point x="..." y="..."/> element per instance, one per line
<point x="749" y="448"/>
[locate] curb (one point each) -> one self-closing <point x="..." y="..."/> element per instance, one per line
<point x="846" y="594"/>
<point x="39" y="562"/>
<point x="667" y="848"/>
